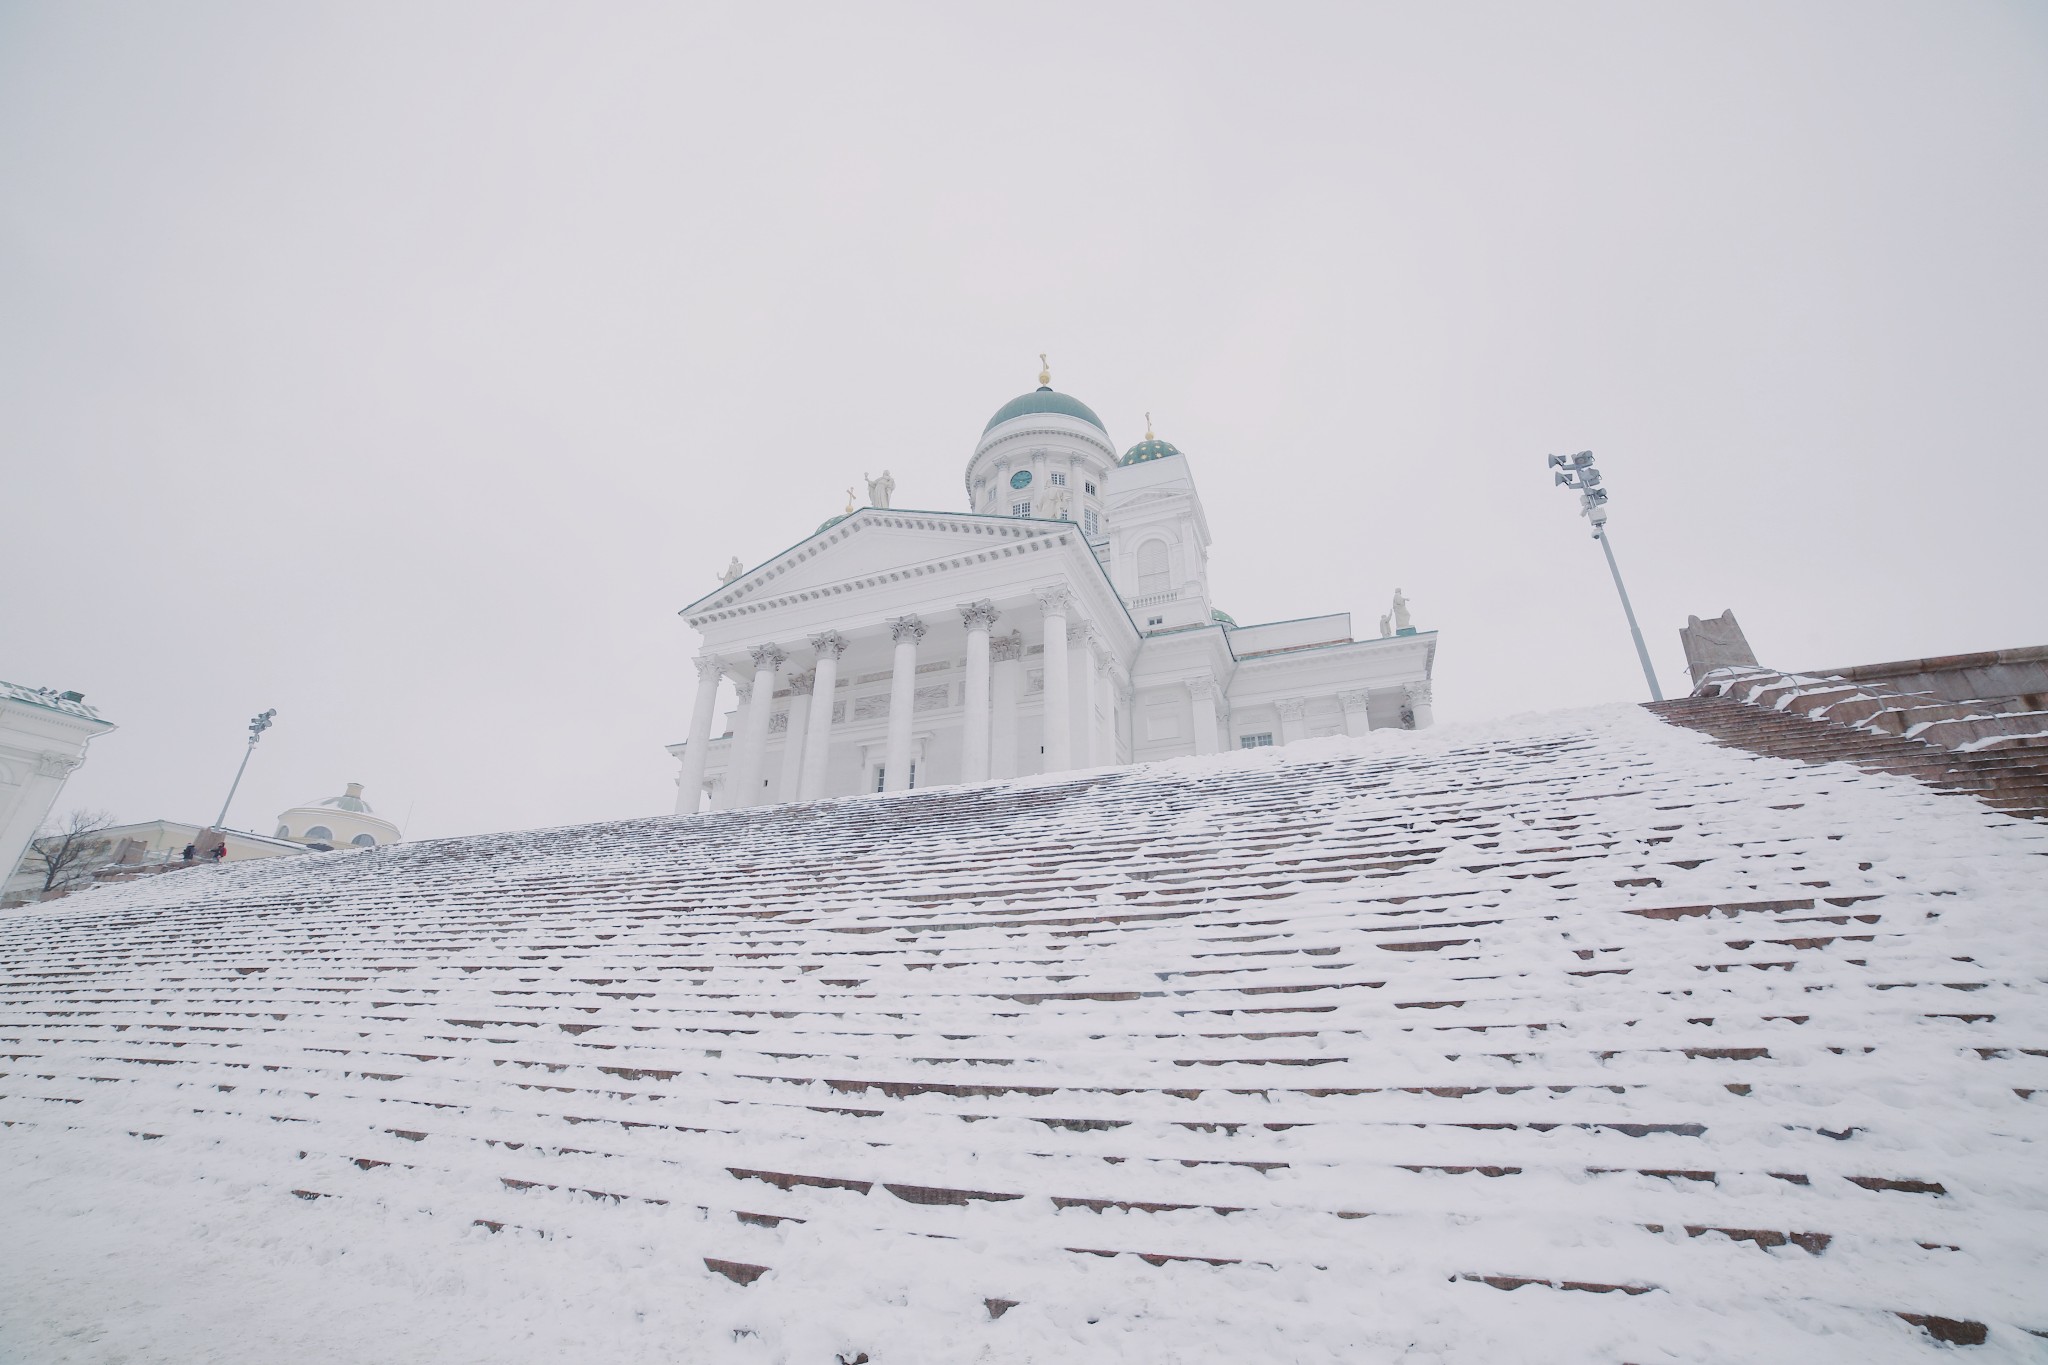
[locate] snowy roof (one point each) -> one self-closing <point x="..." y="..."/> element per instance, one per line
<point x="1568" y="1038"/>
<point x="70" y="703"/>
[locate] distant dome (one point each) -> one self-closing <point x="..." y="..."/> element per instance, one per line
<point x="1043" y="399"/>
<point x="1151" y="448"/>
<point x="830" y="522"/>
<point x="337" y="821"/>
<point x="352" y="799"/>
<point x="1222" y="617"/>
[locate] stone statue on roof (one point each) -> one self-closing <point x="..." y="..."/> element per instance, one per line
<point x="1386" y="624"/>
<point x="732" y="570"/>
<point x="1401" y="621"/>
<point x="880" y="490"/>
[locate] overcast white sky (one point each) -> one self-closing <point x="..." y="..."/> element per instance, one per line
<point x="405" y="368"/>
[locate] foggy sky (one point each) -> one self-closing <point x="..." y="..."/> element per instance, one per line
<point x="406" y="368"/>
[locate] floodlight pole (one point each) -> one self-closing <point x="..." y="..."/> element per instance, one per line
<point x="256" y="728"/>
<point x="1577" y="473"/>
<point x="1642" y="650"/>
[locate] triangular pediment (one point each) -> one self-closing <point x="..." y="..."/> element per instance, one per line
<point x="875" y="541"/>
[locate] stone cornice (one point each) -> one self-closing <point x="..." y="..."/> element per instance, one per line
<point x="1100" y="443"/>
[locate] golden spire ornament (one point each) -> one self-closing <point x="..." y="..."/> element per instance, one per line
<point x="1148" y="428"/>
<point x="1044" y="372"/>
<point x="849" y="502"/>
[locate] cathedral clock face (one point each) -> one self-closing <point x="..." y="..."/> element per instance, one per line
<point x="1021" y="479"/>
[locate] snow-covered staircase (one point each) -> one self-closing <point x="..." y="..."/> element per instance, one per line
<point x="1577" y="1038"/>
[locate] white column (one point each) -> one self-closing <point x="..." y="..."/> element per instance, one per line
<point x="1203" y="692"/>
<point x="752" y="741"/>
<point x="1355" y="704"/>
<point x="978" y="617"/>
<point x="1418" y="713"/>
<point x="791" y="771"/>
<point x="818" y="740"/>
<point x="906" y="631"/>
<point x="1293" y="719"/>
<point x="697" y="750"/>
<point x="1059" y="735"/>
<point x="1081" y="643"/>
<point x="1105" y="707"/>
<point x="1006" y="694"/>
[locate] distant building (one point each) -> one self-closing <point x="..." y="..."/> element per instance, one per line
<point x="153" y="846"/>
<point x="43" y="736"/>
<point x="344" y="821"/>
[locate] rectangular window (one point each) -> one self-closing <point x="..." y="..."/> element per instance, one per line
<point x="882" y="776"/>
<point x="1089" y="522"/>
<point x="1020" y="509"/>
<point x="1261" y="741"/>
<point x="1089" y="487"/>
<point x="1059" y="480"/>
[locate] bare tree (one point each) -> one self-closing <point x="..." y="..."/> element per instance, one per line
<point x="68" y="851"/>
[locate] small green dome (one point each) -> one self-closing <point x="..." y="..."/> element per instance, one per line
<point x="1223" y="618"/>
<point x="1151" y="448"/>
<point x="830" y="522"/>
<point x="1043" y="399"/>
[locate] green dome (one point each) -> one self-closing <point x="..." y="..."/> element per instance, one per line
<point x="1223" y="618"/>
<point x="1045" y="400"/>
<point x="829" y="522"/>
<point x="1149" y="449"/>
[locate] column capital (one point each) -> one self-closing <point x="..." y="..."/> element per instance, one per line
<point x="1292" y="708"/>
<point x="1417" y="693"/>
<point x="746" y="691"/>
<point x="709" y="667"/>
<point x="1355" y="700"/>
<point x="769" y="656"/>
<point x="979" y="615"/>
<point x="804" y="683"/>
<point x="830" y="645"/>
<point x="910" y="628"/>
<point x="57" y="765"/>
<point x="1201" y="687"/>
<point x="1055" y="601"/>
<point x="1005" y="647"/>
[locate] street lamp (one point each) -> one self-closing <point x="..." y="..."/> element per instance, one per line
<point x="256" y="729"/>
<point x="1576" y="472"/>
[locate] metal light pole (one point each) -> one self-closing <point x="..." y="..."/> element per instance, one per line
<point x="1576" y="472"/>
<point x="256" y="729"/>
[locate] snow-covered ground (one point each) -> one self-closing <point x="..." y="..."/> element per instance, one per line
<point x="1568" y="1038"/>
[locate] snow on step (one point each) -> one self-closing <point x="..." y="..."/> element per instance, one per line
<point x="1577" y="1038"/>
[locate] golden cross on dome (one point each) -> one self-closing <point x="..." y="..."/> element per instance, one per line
<point x="849" y="502"/>
<point x="1148" y="427"/>
<point x="1044" y="372"/>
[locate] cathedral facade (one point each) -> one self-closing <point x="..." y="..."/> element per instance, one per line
<point x="1063" y="621"/>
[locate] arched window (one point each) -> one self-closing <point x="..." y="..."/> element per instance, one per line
<point x="1152" y="567"/>
<point x="319" y="834"/>
<point x="364" y="841"/>
<point x="284" y="831"/>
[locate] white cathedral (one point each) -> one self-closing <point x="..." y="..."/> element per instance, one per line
<point x="1064" y="621"/>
